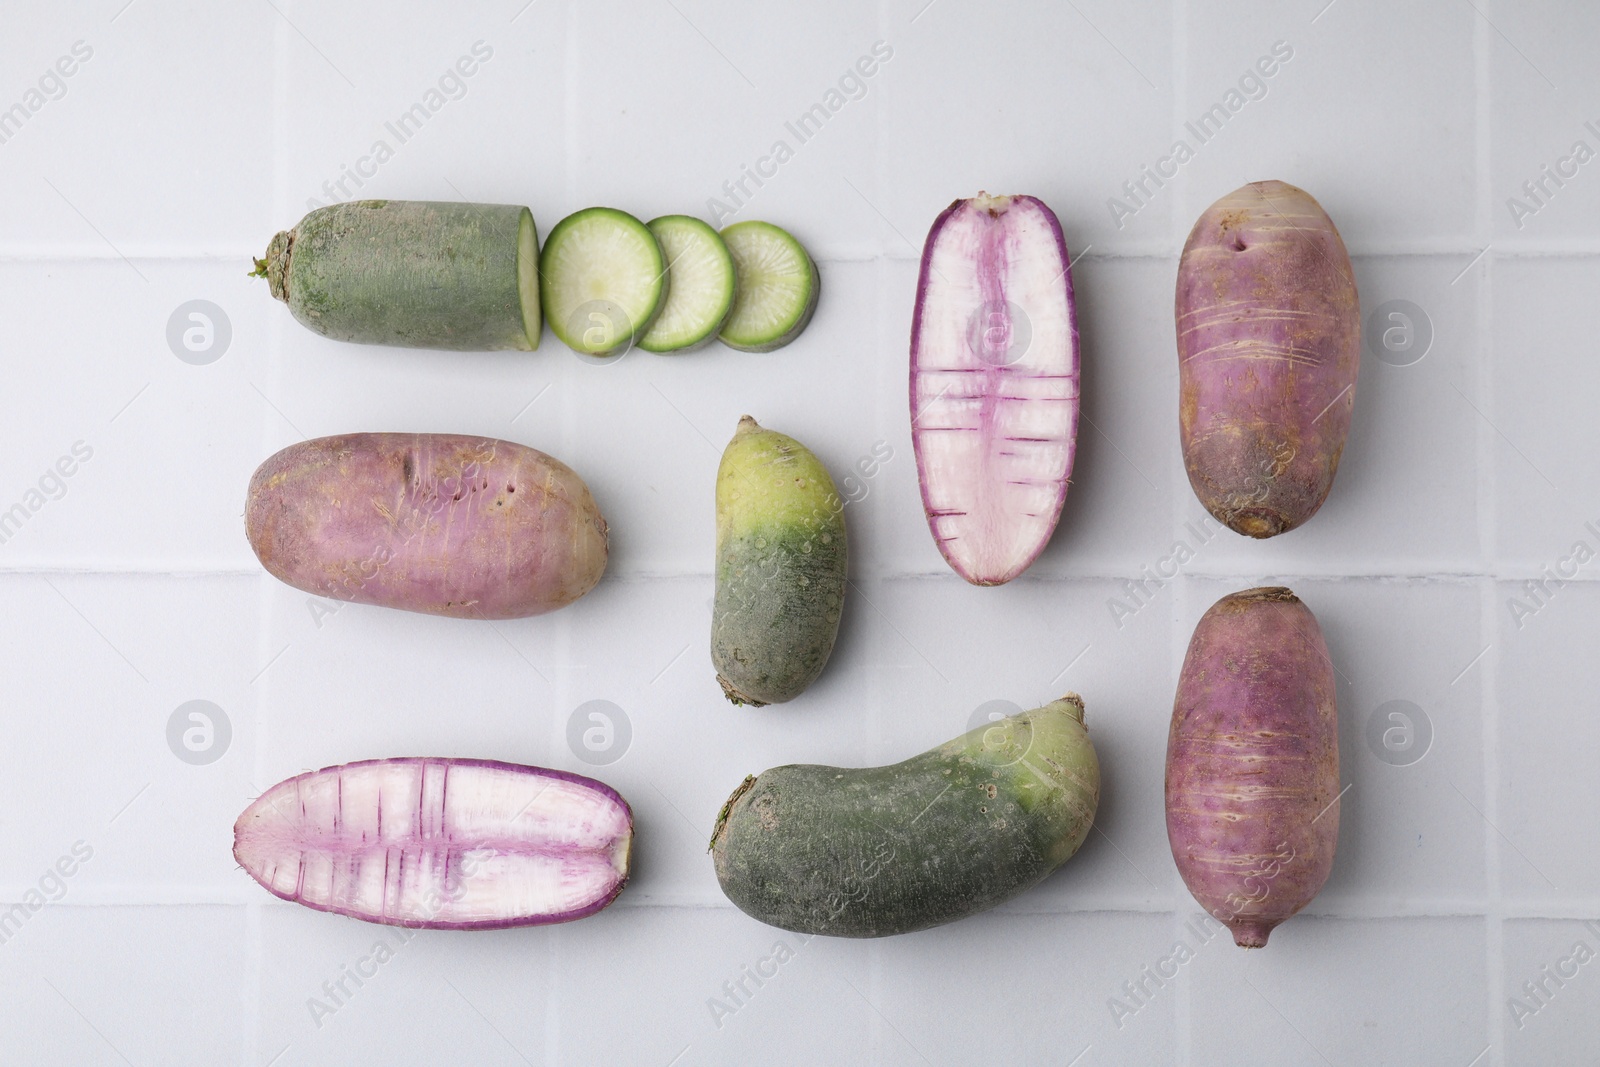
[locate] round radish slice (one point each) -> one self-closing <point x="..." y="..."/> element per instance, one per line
<point x="700" y="285"/>
<point x="994" y="383"/>
<point x="778" y="287"/>
<point x="449" y="844"/>
<point x="602" y="280"/>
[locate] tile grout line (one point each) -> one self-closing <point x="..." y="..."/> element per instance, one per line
<point x="1473" y="577"/>
<point x="855" y="569"/>
<point x="1183" y="1002"/>
<point x="1574" y="910"/>
<point x="1572" y="248"/>
<point x="1488" y="499"/>
<point x="882" y="339"/>
<point x="254" y="913"/>
<point x="561" y="686"/>
<point x="1495" y="915"/>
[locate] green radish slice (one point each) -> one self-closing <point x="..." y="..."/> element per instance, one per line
<point x="602" y="280"/>
<point x="778" y="286"/>
<point x="701" y="284"/>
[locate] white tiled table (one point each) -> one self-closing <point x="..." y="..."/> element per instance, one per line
<point x="192" y="132"/>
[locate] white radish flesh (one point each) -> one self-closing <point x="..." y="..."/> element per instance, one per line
<point x="602" y="280"/>
<point x="994" y="383"/>
<point x="440" y="843"/>
<point x="700" y="287"/>
<point x="778" y="287"/>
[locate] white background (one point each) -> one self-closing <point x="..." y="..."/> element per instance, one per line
<point x="195" y="131"/>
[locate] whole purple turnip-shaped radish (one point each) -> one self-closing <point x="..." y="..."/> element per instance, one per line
<point x="1253" y="762"/>
<point x="1269" y="343"/>
<point x="446" y="524"/>
<point x="994" y="383"/>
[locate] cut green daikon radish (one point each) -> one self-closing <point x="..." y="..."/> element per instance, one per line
<point x="701" y="284"/>
<point x="602" y="280"/>
<point x="778" y="286"/>
<point x="413" y="273"/>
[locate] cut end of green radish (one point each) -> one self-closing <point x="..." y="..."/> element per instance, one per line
<point x="275" y="267"/>
<point x="528" y="277"/>
<point x="602" y="280"/>
<point x="778" y="287"/>
<point x="701" y="285"/>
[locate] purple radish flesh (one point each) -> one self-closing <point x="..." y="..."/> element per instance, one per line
<point x="447" y="844"/>
<point x="994" y="383"/>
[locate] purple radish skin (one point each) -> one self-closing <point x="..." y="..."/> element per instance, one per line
<point x="445" y="524"/>
<point x="440" y="844"/>
<point x="1253" y="762"/>
<point x="1269" y="345"/>
<point x="994" y="383"/>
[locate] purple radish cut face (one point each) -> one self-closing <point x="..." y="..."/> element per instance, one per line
<point x="448" y="844"/>
<point x="994" y="383"/>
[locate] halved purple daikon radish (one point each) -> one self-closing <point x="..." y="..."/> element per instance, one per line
<point x="448" y="844"/>
<point x="994" y="383"/>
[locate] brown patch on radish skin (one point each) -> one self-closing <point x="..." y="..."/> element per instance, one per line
<point x="735" y="696"/>
<point x="764" y="813"/>
<point x="1251" y="935"/>
<point x="727" y="806"/>
<point x="276" y="264"/>
<point x="1235" y="603"/>
<point x="1188" y="407"/>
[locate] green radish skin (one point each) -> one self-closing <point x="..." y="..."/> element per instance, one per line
<point x="593" y="307"/>
<point x="700" y="290"/>
<point x="412" y="273"/>
<point x="781" y="567"/>
<point x="758" y="249"/>
<point x="888" y="850"/>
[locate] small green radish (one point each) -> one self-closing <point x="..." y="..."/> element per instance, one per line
<point x="781" y="559"/>
<point x="778" y="287"/>
<point x="602" y="279"/>
<point x="413" y="273"/>
<point x="701" y="284"/>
